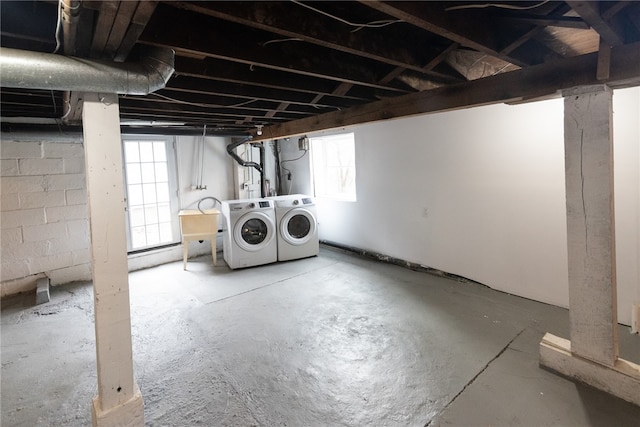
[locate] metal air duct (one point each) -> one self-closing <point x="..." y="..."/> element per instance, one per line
<point x="37" y="70"/>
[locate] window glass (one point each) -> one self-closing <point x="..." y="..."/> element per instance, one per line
<point x="151" y="188"/>
<point x="334" y="166"/>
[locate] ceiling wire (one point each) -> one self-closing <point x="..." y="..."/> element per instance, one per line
<point x="292" y="39"/>
<point x="373" y="24"/>
<point x="58" y="22"/>
<point x="53" y="100"/>
<point x="497" y="5"/>
<point x="197" y="104"/>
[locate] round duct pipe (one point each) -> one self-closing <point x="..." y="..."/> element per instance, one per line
<point x="37" y="70"/>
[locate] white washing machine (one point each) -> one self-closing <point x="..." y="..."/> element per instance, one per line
<point x="249" y="232"/>
<point x="296" y="216"/>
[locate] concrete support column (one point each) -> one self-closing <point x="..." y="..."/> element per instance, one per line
<point x="119" y="401"/>
<point x="592" y="354"/>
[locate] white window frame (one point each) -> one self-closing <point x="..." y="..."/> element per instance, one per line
<point x="322" y="150"/>
<point x="174" y="199"/>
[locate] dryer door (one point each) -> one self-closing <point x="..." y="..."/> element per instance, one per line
<point x="253" y="231"/>
<point x="298" y="226"/>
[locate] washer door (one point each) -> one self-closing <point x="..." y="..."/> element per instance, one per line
<point x="253" y="231"/>
<point x="298" y="226"/>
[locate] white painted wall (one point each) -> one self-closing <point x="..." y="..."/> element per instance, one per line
<point x="44" y="219"/>
<point x="626" y="137"/>
<point x="301" y="181"/>
<point x="480" y="193"/>
<point x="493" y="190"/>
<point x="217" y="177"/>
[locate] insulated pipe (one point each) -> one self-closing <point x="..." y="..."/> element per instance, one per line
<point x="37" y="70"/>
<point x="70" y="16"/>
<point x="259" y="166"/>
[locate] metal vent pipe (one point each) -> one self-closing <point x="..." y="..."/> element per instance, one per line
<point x="37" y="70"/>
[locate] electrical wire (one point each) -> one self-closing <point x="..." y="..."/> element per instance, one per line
<point x="297" y="158"/>
<point x="198" y="104"/>
<point x="59" y="21"/>
<point x="373" y="24"/>
<point x="53" y="100"/>
<point x="292" y="39"/>
<point x="289" y="173"/>
<point x="497" y="5"/>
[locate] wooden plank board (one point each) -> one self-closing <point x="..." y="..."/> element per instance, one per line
<point x="533" y="82"/>
<point x="119" y="28"/>
<point x="621" y="380"/>
<point x="107" y="14"/>
<point x="138" y="23"/>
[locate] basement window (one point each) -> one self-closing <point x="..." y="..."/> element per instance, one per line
<point x="151" y="193"/>
<point x="334" y="166"/>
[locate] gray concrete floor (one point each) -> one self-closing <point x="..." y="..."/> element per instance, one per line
<point x="334" y="340"/>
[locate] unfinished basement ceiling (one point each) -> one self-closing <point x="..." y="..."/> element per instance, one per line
<point x="289" y="66"/>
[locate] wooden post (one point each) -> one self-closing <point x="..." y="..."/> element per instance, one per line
<point x="588" y="141"/>
<point x="119" y="401"/>
<point x="592" y="354"/>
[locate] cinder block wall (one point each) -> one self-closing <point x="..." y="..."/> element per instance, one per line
<point x="43" y="214"/>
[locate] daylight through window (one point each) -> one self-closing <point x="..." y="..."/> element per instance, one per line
<point x="334" y="166"/>
<point x="148" y="194"/>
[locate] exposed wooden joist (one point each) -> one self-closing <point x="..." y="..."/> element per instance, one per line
<point x="556" y="21"/>
<point x="282" y="107"/>
<point x="131" y="105"/>
<point x="526" y="39"/>
<point x="138" y="23"/>
<point x="431" y="16"/>
<point x="222" y="101"/>
<point x="107" y="15"/>
<point x="212" y="87"/>
<point x="119" y="28"/>
<point x="292" y="21"/>
<point x="228" y="41"/>
<point x="531" y="82"/>
<point x="233" y="72"/>
<point x="590" y="12"/>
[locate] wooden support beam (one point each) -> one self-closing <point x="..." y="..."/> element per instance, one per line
<point x="532" y="82"/>
<point x="431" y="16"/>
<point x="590" y="12"/>
<point x="592" y="354"/>
<point x="604" y="61"/>
<point x="119" y="401"/>
<point x="588" y="125"/>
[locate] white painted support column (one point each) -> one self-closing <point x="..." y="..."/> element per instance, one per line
<point x="588" y="142"/>
<point x="119" y="401"/>
<point x="592" y="354"/>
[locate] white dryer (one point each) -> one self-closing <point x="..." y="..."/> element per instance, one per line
<point x="296" y="216"/>
<point x="249" y="232"/>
